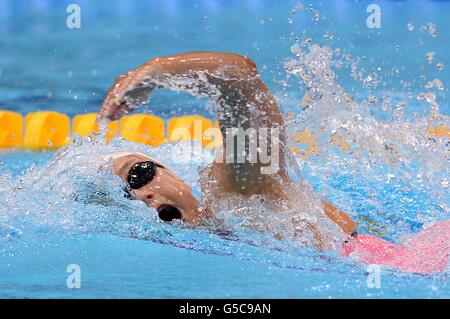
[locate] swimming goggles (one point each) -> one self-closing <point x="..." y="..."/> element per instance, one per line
<point x="142" y="173"/>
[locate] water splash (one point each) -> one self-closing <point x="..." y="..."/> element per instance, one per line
<point x="356" y="143"/>
<point x="383" y="166"/>
<point x="76" y="194"/>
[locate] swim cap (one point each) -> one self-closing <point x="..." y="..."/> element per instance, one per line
<point x="116" y="155"/>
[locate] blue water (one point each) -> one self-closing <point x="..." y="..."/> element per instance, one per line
<point x="130" y="257"/>
<point x="43" y="228"/>
<point x="69" y="70"/>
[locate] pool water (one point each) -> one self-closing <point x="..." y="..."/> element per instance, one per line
<point x="58" y="209"/>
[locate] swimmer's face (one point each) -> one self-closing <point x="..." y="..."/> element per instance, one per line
<point x="164" y="192"/>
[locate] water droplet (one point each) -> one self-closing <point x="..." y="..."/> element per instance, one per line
<point x="428" y="85"/>
<point x="299" y="6"/>
<point x="372" y="99"/>
<point x="337" y="52"/>
<point x="440" y="66"/>
<point x="77" y="140"/>
<point x="438" y="84"/>
<point x="400" y="106"/>
<point x="289" y="116"/>
<point x="410" y="26"/>
<point x="430" y="56"/>
<point x="316" y="17"/>
<point x="430" y="28"/>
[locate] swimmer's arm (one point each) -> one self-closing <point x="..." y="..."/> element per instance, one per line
<point x="228" y="77"/>
<point x="348" y="225"/>
<point x="243" y="100"/>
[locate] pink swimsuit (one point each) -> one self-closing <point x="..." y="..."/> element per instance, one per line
<point x="425" y="252"/>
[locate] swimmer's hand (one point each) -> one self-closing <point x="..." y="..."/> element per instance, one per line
<point x="127" y="93"/>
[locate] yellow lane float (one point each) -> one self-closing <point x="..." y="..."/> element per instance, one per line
<point x="11" y="129"/>
<point x="46" y="130"/>
<point x="50" y="130"/>
<point x="143" y="128"/>
<point x="440" y="131"/>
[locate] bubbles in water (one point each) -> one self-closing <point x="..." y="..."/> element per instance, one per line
<point x="289" y="116"/>
<point x="372" y="99"/>
<point x="440" y="66"/>
<point x="400" y="106"/>
<point x="77" y="140"/>
<point x="299" y="6"/>
<point x="328" y="36"/>
<point x="386" y="104"/>
<point x="430" y="28"/>
<point x="410" y="26"/>
<point x="368" y="79"/>
<point x="434" y="83"/>
<point x="315" y="12"/>
<point x="438" y="84"/>
<point x="430" y="57"/>
<point x="430" y="98"/>
<point x="316" y="17"/>
<point x="337" y="52"/>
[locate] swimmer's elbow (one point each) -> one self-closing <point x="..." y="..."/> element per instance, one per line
<point x="245" y="64"/>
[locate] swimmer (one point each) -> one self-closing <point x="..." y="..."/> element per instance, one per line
<point x="242" y="101"/>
